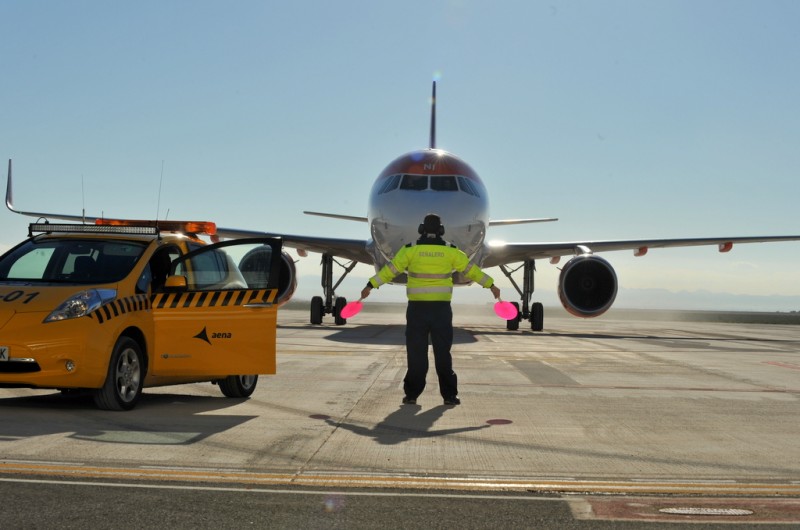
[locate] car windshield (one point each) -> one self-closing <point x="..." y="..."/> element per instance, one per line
<point x="82" y="261"/>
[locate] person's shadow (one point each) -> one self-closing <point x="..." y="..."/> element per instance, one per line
<point x="404" y="424"/>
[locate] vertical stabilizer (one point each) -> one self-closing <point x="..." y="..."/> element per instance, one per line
<point x="433" y="118"/>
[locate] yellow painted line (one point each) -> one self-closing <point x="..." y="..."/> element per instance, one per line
<point x="348" y="480"/>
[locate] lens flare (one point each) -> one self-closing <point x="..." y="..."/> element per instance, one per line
<point x="334" y="504"/>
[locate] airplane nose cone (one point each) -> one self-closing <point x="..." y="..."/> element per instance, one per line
<point x="420" y="183"/>
<point x="429" y="162"/>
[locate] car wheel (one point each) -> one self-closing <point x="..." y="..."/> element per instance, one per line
<point x="123" y="385"/>
<point x="238" y="386"/>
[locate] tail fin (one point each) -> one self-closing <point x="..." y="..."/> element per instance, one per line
<point x="433" y="118"/>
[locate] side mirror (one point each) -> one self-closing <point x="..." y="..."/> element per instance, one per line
<point x="176" y="283"/>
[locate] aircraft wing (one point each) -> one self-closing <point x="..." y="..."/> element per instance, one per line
<point x="505" y="222"/>
<point x="504" y="253"/>
<point x="339" y="216"/>
<point x="352" y="249"/>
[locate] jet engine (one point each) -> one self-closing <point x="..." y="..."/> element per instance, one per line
<point x="288" y="275"/>
<point x="587" y="286"/>
<point x="252" y="263"/>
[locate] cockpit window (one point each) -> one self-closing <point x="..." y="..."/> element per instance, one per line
<point x="437" y="183"/>
<point x="414" y="182"/>
<point x="468" y="187"/>
<point x="447" y="183"/>
<point x="390" y="184"/>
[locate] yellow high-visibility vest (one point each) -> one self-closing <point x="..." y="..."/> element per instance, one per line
<point x="430" y="270"/>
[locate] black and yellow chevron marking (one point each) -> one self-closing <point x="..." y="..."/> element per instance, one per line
<point x="185" y="300"/>
<point x="122" y="306"/>
<point x="182" y="300"/>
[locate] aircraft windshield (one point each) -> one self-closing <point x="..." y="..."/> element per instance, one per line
<point x="425" y="182"/>
<point x="414" y="182"/>
<point x="447" y="183"/>
<point x="468" y="187"/>
<point x="390" y="184"/>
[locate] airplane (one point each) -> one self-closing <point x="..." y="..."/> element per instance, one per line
<point x="432" y="180"/>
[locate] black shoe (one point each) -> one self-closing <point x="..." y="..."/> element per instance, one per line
<point x="409" y="401"/>
<point x="452" y="401"/>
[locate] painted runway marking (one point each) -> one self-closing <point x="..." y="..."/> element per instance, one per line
<point x="352" y="493"/>
<point x="790" y="366"/>
<point x="404" y="481"/>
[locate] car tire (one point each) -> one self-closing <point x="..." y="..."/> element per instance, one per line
<point x="123" y="385"/>
<point x="238" y="386"/>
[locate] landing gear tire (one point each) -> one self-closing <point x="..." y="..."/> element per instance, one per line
<point x="123" y="385"/>
<point x="238" y="386"/>
<point x="537" y="316"/>
<point x="337" y="309"/>
<point x="513" y="324"/>
<point x="317" y="310"/>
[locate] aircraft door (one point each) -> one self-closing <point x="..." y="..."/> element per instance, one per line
<point x="217" y="313"/>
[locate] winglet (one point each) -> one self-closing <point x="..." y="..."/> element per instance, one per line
<point x="433" y="118"/>
<point x="10" y="206"/>
<point x="9" y="199"/>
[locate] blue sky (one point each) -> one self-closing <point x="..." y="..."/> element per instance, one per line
<point x="625" y="119"/>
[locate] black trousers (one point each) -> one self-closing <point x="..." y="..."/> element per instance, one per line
<point x="434" y="321"/>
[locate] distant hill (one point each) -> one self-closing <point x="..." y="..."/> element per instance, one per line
<point x="627" y="298"/>
<point x="679" y="315"/>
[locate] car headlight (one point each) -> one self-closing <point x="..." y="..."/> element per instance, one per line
<point x="81" y="304"/>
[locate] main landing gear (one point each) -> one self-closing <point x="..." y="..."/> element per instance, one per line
<point x="533" y="312"/>
<point x="330" y="305"/>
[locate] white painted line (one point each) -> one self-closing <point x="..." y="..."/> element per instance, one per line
<point x="347" y="493"/>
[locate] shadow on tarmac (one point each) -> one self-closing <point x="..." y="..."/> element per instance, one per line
<point x="406" y="423"/>
<point x="392" y="334"/>
<point x="158" y="419"/>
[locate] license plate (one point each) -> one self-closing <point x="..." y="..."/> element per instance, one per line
<point x="3" y="353"/>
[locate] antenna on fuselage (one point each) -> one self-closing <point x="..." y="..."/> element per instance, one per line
<point x="433" y="118"/>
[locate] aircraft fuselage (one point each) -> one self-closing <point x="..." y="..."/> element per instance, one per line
<point x="423" y="182"/>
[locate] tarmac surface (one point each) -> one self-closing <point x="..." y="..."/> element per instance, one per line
<point x="659" y="411"/>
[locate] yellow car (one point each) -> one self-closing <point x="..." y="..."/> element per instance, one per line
<point x="118" y="306"/>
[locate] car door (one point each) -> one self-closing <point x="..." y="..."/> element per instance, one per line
<point x="221" y="318"/>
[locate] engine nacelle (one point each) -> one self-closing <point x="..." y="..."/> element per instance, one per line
<point x="253" y="261"/>
<point x="288" y="276"/>
<point x="587" y="286"/>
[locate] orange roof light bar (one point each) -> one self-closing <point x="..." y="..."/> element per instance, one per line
<point x="189" y="227"/>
